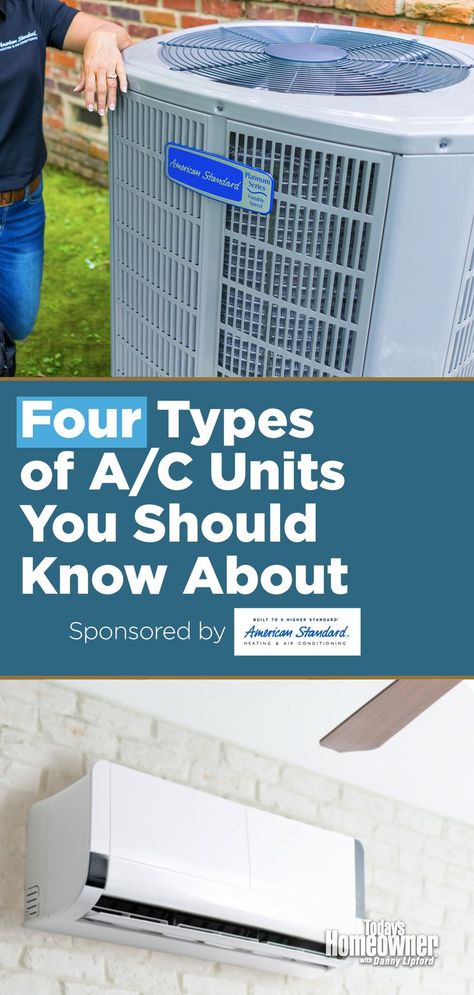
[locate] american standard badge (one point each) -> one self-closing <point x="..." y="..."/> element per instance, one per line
<point x="220" y="178"/>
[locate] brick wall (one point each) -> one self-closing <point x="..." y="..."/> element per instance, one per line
<point x="75" y="141"/>
<point x="420" y="867"/>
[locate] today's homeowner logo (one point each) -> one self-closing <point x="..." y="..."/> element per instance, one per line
<point x="384" y="944"/>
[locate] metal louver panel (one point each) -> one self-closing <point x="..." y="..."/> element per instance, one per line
<point x="156" y="243"/>
<point x="312" y="59"/>
<point x="297" y="285"/>
<point x="461" y="352"/>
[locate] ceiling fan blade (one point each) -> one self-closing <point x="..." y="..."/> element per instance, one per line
<point x="383" y="716"/>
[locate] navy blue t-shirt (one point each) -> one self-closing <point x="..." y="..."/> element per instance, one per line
<point x="26" y="28"/>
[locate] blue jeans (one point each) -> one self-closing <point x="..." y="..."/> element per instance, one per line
<point x="21" y="263"/>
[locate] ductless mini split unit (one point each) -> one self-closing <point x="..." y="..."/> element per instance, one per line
<point x="294" y="200"/>
<point x="126" y="857"/>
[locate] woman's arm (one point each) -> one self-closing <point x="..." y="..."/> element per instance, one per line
<point x="101" y="44"/>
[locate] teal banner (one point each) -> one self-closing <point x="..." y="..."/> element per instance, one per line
<point x="234" y="528"/>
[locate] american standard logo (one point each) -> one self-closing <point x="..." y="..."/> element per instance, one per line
<point x="295" y="632"/>
<point x="7" y="46"/>
<point x="303" y="632"/>
<point x="384" y="944"/>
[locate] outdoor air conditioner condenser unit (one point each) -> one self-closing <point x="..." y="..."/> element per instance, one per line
<point x="125" y="857"/>
<point x="294" y="200"/>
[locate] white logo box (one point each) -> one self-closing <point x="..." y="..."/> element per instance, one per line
<point x="297" y="632"/>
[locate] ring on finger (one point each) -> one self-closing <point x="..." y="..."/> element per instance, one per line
<point x="112" y="76"/>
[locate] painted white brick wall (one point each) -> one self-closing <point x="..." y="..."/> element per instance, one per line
<point x="420" y="867"/>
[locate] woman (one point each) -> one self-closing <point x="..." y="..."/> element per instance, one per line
<point x="27" y="27"/>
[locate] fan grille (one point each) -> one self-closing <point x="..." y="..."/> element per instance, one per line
<point x="369" y="63"/>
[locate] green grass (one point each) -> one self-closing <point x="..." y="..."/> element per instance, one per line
<point x="71" y="336"/>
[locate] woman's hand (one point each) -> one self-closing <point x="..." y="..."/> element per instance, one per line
<point x="101" y="44"/>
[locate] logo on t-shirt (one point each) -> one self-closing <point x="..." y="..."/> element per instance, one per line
<point x="7" y="46"/>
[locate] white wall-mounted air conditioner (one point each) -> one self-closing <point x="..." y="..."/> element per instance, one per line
<point x="362" y="261"/>
<point x="126" y="857"/>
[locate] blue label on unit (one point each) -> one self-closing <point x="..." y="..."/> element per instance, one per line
<point x="220" y="178"/>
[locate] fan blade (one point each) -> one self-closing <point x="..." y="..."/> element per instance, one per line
<point x="383" y="716"/>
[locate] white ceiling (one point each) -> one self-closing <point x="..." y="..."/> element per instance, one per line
<point x="425" y="764"/>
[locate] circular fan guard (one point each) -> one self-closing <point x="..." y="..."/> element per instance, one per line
<point x="368" y="63"/>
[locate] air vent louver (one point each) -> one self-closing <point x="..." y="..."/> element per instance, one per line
<point x="118" y="911"/>
<point x="311" y="59"/>
<point x="156" y="243"/>
<point x="297" y="285"/>
<point x="461" y="354"/>
<point x="32" y="903"/>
